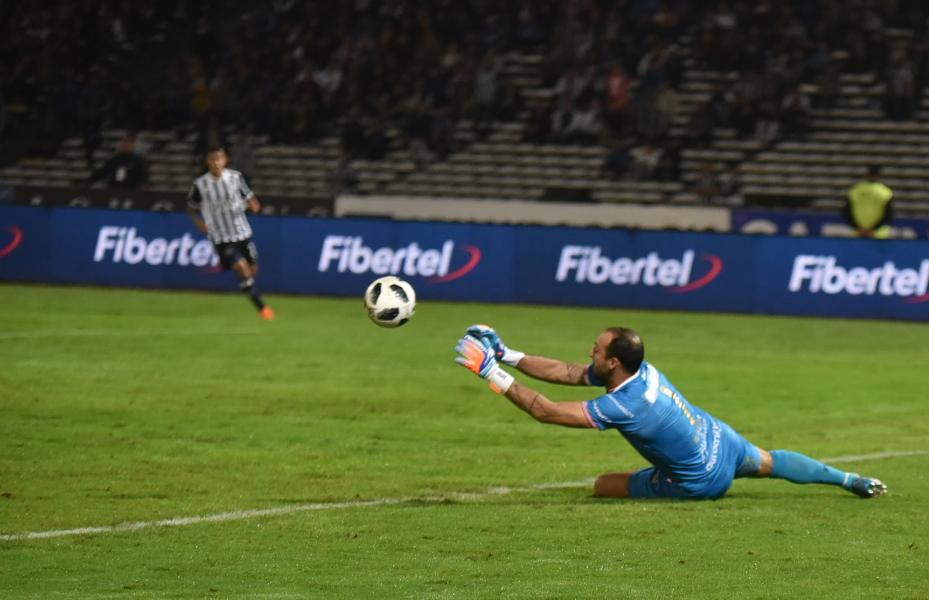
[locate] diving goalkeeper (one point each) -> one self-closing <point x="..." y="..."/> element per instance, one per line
<point x="693" y="454"/>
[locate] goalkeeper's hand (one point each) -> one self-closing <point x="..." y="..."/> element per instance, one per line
<point x="478" y="357"/>
<point x="486" y="334"/>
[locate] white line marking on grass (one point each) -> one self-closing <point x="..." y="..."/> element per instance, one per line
<point x="241" y="515"/>
<point x="12" y="335"/>
<point x="874" y="456"/>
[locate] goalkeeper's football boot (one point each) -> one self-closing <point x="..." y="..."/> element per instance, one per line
<point x="868" y="487"/>
<point x="266" y="313"/>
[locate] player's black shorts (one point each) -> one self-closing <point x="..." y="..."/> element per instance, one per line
<point x="231" y="252"/>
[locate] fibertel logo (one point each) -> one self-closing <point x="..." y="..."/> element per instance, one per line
<point x="588" y="264"/>
<point x="823" y="275"/>
<point x="124" y="245"/>
<point x="348" y="253"/>
<point x="15" y="238"/>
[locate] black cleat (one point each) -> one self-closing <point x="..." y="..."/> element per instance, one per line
<point x="866" y="487"/>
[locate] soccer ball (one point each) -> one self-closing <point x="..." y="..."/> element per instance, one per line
<point x="390" y="301"/>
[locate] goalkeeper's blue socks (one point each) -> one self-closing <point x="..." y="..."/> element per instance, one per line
<point x="800" y="468"/>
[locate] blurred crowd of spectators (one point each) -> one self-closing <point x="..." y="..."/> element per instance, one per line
<point x="69" y="68"/>
<point x="784" y="59"/>
<point x="295" y="71"/>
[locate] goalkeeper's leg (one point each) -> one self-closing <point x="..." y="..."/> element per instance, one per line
<point x="612" y="485"/>
<point x="800" y="468"/>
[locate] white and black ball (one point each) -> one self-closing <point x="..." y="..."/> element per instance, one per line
<point x="390" y="301"/>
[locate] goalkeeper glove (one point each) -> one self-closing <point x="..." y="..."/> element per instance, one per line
<point x="478" y="357"/>
<point x="486" y="334"/>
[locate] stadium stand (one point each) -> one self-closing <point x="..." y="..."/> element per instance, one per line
<point x="777" y="104"/>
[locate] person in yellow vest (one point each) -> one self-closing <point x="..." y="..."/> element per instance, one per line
<point x="869" y="210"/>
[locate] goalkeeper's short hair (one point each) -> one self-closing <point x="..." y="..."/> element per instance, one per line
<point x="627" y="347"/>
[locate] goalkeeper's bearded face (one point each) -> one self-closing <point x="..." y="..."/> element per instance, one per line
<point x="603" y="366"/>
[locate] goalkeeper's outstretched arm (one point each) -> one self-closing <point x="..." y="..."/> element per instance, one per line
<point x="568" y="414"/>
<point x="553" y="370"/>
<point x="480" y="359"/>
<point x="539" y="367"/>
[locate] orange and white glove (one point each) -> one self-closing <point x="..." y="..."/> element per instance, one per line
<point x="478" y="357"/>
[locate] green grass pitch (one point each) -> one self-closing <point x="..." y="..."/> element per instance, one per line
<point x="121" y="406"/>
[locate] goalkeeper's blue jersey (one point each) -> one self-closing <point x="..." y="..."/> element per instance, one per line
<point x="681" y="440"/>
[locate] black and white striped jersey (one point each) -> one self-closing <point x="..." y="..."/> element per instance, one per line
<point x="222" y="201"/>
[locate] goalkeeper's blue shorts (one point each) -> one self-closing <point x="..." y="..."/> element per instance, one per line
<point x="737" y="458"/>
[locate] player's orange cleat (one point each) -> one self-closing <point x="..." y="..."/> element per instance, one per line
<point x="267" y="314"/>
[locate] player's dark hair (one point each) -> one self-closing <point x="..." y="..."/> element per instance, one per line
<point x="627" y="347"/>
<point x="216" y="148"/>
<point x="874" y="170"/>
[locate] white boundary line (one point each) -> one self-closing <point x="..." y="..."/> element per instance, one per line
<point x="13" y="335"/>
<point x="874" y="456"/>
<point x="240" y="515"/>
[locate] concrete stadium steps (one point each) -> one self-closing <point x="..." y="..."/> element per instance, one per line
<point x="503" y="170"/>
<point x="777" y="156"/>
<point x="812" y="172"/>
<point x="869" y="137"/>
<point x="849" y="172"/>
<point x="871" y="125"/>
<point x="807" y="180"/>
<point x="818" y="170"/>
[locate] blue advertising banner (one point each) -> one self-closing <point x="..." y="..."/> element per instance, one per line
<point x="341" y="256"/>
<point x="854" y="278"/>
<point x="633" y="268"/>
<point x="144" y="249"/>
<point x="25" y="243"/>
<point x="498" y="263"/>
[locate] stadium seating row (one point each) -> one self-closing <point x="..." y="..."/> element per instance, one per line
<point x="813" y="171"/>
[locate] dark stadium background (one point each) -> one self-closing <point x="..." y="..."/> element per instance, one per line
<point x="734" y="104"/>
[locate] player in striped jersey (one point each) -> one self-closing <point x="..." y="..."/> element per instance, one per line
<point x="692" y="453"/>
<point x="217" y="203"/>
